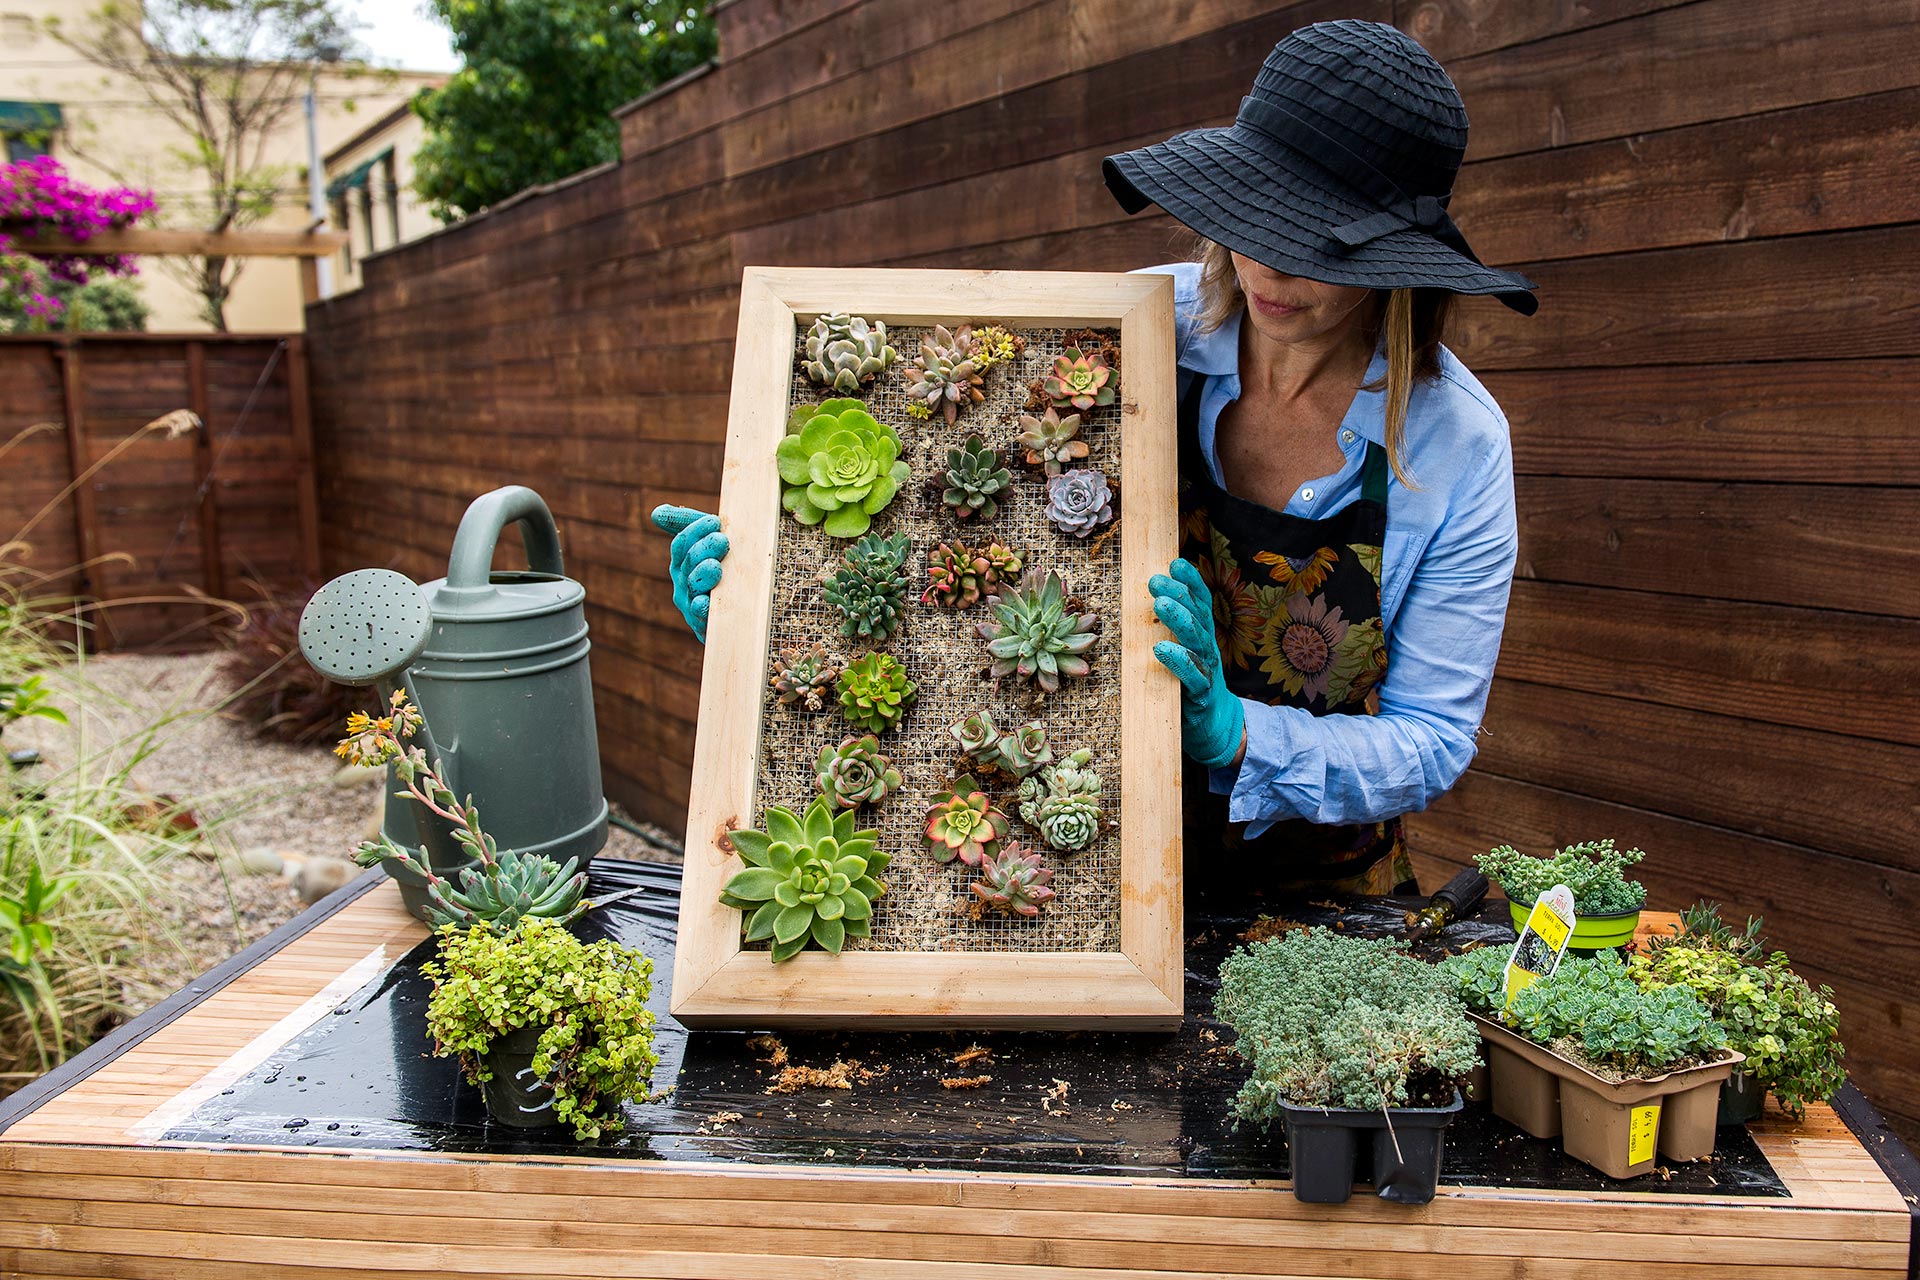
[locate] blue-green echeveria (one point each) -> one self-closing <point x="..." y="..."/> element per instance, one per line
<point x="839" y="464"/>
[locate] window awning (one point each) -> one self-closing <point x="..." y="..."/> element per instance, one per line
<point x="29" y="116"/>
<point x="355" y="177"/>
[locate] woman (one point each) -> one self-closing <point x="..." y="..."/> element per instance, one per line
<point x="1346" y="485"/>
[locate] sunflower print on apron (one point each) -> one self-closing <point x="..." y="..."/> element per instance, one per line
<point x="1296" y="609"/>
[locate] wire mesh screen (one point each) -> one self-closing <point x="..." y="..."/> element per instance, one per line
<point x="929" y="906"/>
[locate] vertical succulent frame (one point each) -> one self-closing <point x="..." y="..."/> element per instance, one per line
<point x="716" y="983"/>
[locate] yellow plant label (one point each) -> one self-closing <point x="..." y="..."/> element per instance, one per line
<point x="1542" y="941"/>
<point x="1643" y="1127"/>
<point x="1552" y="929"/>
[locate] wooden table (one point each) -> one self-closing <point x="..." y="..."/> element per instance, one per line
<point x="87" y="1187"/>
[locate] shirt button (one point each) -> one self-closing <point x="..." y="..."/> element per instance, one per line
<point x="1307" y="494"/>
<point x="1346" y="437"/>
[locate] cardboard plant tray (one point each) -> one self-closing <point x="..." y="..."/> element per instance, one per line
<point x="1617" y="1128"/>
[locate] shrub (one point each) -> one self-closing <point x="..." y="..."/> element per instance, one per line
<point x="1332" y="1021"/>
<point x="1596" y="872"/>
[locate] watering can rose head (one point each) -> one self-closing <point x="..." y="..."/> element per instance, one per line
<point x="840" y="466"/>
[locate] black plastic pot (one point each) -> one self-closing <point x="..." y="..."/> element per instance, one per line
<point x="1405" y="1148"/>
<point x="515" y="1095"/>
<point x="1742" y="1098"/>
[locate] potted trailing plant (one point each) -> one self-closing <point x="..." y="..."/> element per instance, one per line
<point x="1348" y="1036"/>
<point x="1606" y="903"/>
<point x="1618" y="1072"/>
<point x="554" y="1030"/>
<point x="1787" y="1028"/>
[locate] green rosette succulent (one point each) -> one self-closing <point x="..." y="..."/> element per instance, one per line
<point x="807" y="880"/>
<point x="1080" y="381"/>
<point x="974" y="475"/>
<point x="960" y="576"/>
<point x="870" y="587"/>
<point x="1014" y="880"/>
<point x="846" y="352"/>
<point x="1035" y="635"/>
<point x="1052" y="442"/>
<point x="1021" y="752"/>
<point x="801" y="677"/>
<point x="1063" y="802"/>
<point x="943" y="376"/>
<point x="840" y="466"/>
<point x="976" y="733"/>
<point x="875" y="692"/>
<point x="964" y="824"/>
<point x="855" y="773"/>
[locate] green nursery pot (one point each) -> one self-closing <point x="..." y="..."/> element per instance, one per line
<point x="1590" y="933"/>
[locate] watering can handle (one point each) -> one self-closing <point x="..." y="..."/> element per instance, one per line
<point x="471" y="564"/>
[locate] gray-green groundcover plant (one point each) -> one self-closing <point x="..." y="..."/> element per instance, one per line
<point x="1595" y="871"/>
<point x="1332" y="1021"/>
<point x="1590" y="1010"/>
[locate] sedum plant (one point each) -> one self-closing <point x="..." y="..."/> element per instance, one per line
<point x="975" y="474"/>
<point x="1079" y="502"/>
<point x="802" y="677"/>
<point x="840" y="467"/>
<point x="811" y="879"/>
<point x="996" y="345"/>
<point x="875" y="692"/>
<point x="1035" y="635"/>
<point x="1788" y="1029"/>
<point x="1052" y="442"/>
<point x="964" y="824"/>
<point x="846" y="352"/>
<point x="959" y="576"/>
<point x="504" y="888"/>
<point x="1062" y="801"/>
<point x="870" y="587"/>
<point x="1479" y="978"/>
<point x="855" y="773"/>
<point x="1589" y="1009"/>
<point x="1332" y="1021"/>
<point x="1702" y="929"/>
<point x="1015" y="881"/>
<point x="943" y="377"/>
<point x="1080" y="381"/>
<point x="1596" y="872"/>
<point x="589" y="1000"/>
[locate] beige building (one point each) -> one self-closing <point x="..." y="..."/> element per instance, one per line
<point x="104" y="130"/>
<point x="370" y="193"/>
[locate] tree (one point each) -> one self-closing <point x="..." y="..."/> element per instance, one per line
<point x="533" y="101"/>
<point x="230" y="75"/>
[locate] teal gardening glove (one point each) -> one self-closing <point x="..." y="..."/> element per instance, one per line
<point x="693" y="562"/>
<point x="1212" y="721"/>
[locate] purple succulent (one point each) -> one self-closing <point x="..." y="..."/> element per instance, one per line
<point x="1078" y="502"/>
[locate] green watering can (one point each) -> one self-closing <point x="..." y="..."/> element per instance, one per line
<point x="497" y="663"/>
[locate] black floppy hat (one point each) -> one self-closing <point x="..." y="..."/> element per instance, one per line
<point x="1338" y="168"/>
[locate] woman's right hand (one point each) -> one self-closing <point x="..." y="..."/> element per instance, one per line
<point x="694" y="561"/>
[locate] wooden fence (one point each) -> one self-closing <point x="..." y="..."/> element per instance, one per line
<point x="1712" y="646"/>
<point x="211" y="510"/>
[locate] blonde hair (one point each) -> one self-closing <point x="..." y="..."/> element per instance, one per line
<point x="1413" y="320"/>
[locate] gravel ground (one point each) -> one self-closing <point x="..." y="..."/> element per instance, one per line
<point x="280" y="817"/>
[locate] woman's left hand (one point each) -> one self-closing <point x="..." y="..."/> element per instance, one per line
<point x="1213" y="724"/>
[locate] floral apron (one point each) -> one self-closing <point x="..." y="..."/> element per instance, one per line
<point x="1296" y="608"/>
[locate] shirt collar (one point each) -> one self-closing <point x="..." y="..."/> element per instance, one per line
<point x="1217" y="354"/>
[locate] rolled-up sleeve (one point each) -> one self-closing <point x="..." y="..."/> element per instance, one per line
<point x="1442" y="643"/>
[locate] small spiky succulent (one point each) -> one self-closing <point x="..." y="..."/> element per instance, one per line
<point x="801" y="677"/>
<point x="1080" y="381"/>
<point x="995" y="345"/>
<point x="1079" y="502"/>
<point x="870" y="587"/>
<point x="943" y="376"/>
<point x="1035" y="635"/>
<point x="976" y="733"/>
<point x="846" y="352"/>
<point x="1014" y="880"/>
<point x="975" y="474"/>
<point x="1063" y="802"/>
<point x="1022" y="751"/>
<point x="811" y="879"/>
<point x="1052" y="442"/>
<point x="964" y="824"/>
<point x="855" y="773"/>
<point x="959" y="576"/>
<point x="875" y="692"/>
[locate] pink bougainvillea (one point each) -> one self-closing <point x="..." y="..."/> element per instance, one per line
<point x="38" y="198"/>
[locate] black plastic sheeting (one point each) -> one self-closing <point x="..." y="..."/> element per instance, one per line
<point x="1077" y="1102"/>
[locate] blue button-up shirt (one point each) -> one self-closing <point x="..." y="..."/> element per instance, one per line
<point x="1446" y="570"/>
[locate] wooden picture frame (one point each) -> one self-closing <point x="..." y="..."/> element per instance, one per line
<point x="716" y="982"/>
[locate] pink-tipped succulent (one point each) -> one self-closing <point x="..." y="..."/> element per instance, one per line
<point x="959" y="576"/>
<point x="964" y="824"/>
<point x="1082" y="381"/>
<point x="1052" y="442"/>
<point x="1015" y="881"/>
